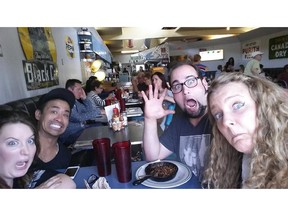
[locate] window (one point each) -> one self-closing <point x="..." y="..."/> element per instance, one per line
<point x="211" y="55"/>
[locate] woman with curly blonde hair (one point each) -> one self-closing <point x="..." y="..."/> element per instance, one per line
<point x="250" y="145"/>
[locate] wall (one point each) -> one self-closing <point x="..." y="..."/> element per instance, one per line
<point x="12" y="81"/>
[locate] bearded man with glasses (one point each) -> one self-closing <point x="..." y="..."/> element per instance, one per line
<point x="189" y="134"/>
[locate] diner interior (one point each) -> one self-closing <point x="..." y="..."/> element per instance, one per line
<point x="106" y="52"/>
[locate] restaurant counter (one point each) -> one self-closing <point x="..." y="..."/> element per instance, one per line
<point x="85" y="172"/>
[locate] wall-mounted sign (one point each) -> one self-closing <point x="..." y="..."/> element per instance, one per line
<point x="156" y="54"/>
<point x="40" y="68"/>
<point x="278" y="47"/>
<point x="248" y="48"/>
<point x="69" y="47"/>
<point x="39" y="74"/>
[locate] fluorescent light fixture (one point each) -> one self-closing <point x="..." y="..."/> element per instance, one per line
<point x="129" y="51"/>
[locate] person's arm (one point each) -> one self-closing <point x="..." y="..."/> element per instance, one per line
<point x="59" y="181"/>
<point x="255" y="69"/>
<point x="153" y="110"/>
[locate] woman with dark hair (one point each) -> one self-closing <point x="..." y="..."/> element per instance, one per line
<point x="250" y="134"/>
<point x="229" y="66"/>
<point x="19" y="144"/>
<point x="96" y="88"/>
<point x="158" y="79"/>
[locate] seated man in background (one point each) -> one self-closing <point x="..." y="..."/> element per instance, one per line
<point x="83" y="115"/>
<point x="53" y="112"/>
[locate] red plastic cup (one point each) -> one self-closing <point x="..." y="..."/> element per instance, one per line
<point x="107" y="102"/>
<point x="122" y="105"/>
<point x="122" y="155"/>
<point x="102" y="152"/>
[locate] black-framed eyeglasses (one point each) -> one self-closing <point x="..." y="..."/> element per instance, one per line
<point x="191" y="82"/>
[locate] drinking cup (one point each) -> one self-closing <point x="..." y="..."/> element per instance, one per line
<point x="122" y="105"/>
<point x="122" y="155"/>
<point x="102" y="152"/>
<point x="107" y="102"/>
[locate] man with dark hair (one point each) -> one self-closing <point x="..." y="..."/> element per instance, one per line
<point x="83" y="114"/>
<point x="52" y="115"/>
<point x="189" y="134"/>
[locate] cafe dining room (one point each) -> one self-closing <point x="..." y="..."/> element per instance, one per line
<point x="134" y="142"/>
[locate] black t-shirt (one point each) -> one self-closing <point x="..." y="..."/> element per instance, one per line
<point x="60" y="161"/>
<point x="190" y="143"/>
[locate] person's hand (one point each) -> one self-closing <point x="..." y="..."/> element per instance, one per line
<point x="83" y="95"/>
<point x="52" y="183"/>
<point x="153" y="108"/>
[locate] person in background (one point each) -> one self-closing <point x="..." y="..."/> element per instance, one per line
<point x="88" y="84"/>
<point x="18" y="146"/>
<point x="219" y="71"/>
<point x="253" y="66"/>
<point x="158" y="79"/>
<point x="125" y="70"/>
<point x="83" y="115"/>
<point x="262" y="72"/>
<point x="197" y="62"/>
<point x="229" y="66"/>
<point x="283" y="75"/>
<point x="139" y="84"/>
<point x="52" y="115"/>
<point x="147" y="80"/>
<point x="96" y="88"/>
<point x="188" y="136"/>
<point x="241" y="68"/>
<point x="250" y="134"/>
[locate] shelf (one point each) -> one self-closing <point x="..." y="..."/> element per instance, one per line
<point x="86" y="51"/>
<point x="83" y="42"/>
<point x="84" y="33"/>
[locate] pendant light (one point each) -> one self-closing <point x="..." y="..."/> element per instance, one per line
<point x="97" y="69"/>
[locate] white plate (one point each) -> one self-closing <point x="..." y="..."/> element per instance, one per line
<point x="183" y="175"/>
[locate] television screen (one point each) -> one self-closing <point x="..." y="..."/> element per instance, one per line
<point x="211" y="55"/>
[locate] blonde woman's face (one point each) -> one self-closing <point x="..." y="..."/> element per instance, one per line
<point x="235" y="114"/>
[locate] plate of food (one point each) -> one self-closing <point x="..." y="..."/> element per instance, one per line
<point x="181" y="176"/>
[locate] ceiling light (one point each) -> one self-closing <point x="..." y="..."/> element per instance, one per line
<point x="100" y="74"/>
<point x="211" y="37"/>
<point x="129" y="51"/>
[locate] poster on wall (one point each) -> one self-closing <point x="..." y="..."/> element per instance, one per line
<point x="248" y="48"/>
<point x="40" y="68"/>
<point x="278" y="47"/>
<point x="69" y="47"/>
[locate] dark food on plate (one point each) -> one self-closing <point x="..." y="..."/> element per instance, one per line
<point x="161" y="169"/>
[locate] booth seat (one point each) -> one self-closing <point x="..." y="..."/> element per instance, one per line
<point x="27" y="105"/>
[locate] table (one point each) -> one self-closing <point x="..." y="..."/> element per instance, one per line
<point x="85" y="172"/>
<point x="132" y="101"/>
<point x="133" y="132"/>
<point x="134" y="111"/>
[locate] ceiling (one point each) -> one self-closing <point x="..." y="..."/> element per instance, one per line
<point x="119" y="39"/>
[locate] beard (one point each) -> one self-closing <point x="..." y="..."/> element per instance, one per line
<point x="199" y="113"/>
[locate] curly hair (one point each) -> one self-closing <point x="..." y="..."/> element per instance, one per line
<point x="269" y="159"/>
